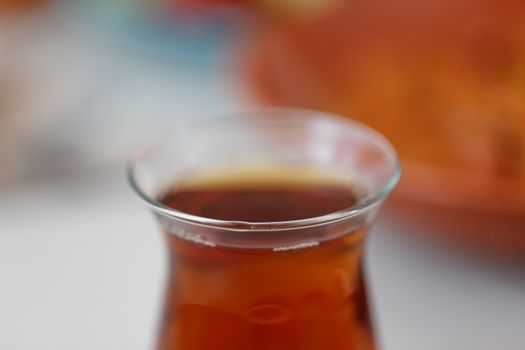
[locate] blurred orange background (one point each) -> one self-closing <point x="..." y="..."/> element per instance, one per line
<point x="445" y="81"/>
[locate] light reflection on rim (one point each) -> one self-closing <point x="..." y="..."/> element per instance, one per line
<point x="251" y="116"/>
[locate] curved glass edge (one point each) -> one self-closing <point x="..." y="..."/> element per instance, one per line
<point x="247" y="226"/>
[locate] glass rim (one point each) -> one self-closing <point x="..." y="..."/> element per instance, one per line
<point x="251" y="116"/>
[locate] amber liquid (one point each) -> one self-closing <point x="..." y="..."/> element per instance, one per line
<point x="223" y="298"/>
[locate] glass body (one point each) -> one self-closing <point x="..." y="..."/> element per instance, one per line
<point x="268" y="285"/>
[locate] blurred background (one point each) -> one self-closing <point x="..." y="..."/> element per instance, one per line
<point x="84" y="83"/>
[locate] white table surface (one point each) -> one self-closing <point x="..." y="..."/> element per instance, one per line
<point x="82" y="265"/>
